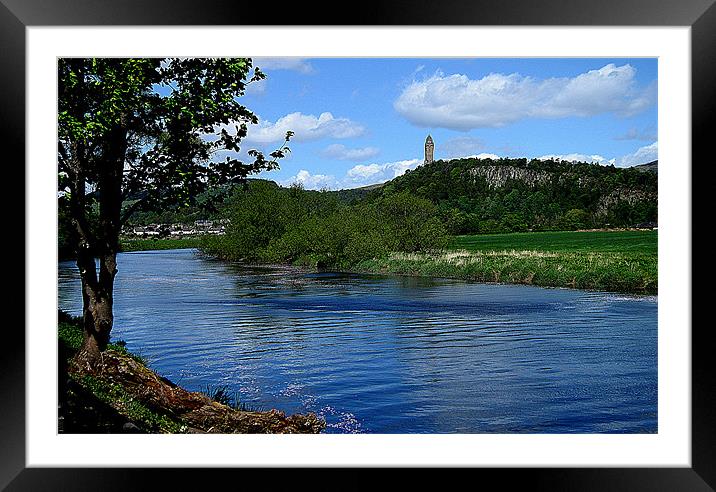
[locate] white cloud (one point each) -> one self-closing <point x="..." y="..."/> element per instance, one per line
<point x="460" y="103"/>
<point x="283" y="63"/>
<point x="593" y="158"/>
<point x="305" y="127"/>
<point x="363" y="175"/>
<point x="483" y="155"/>
<point x="313" y="181"/>
<point x="258" y="87"/>
<point x="342" y="153"/>
<point x="357" y="176"/>
<point x="642" y="155"/>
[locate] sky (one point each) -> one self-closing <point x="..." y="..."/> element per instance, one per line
<point x="362" y="121"/>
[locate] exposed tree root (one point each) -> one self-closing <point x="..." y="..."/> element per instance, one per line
<point x="196" y="410"/>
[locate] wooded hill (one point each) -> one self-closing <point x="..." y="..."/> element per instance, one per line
<point x="503" y="195"/>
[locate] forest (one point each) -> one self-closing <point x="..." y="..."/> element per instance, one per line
<point x="516" y="195"/>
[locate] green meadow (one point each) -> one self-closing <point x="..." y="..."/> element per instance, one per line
<point x="615" y="261"/>
<point x="573" y="241"/>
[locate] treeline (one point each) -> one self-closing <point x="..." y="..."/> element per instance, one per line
<point x="212" y="204"/>
<point x="291" y="225"/>
<point x="414" y="212"/>
<point x="206" y="205"/>
<point x="515" y="195"/>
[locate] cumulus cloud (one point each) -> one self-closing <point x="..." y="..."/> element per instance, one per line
<point x="283" y="63"/>
<point x="483" y="155"/>
<point x="593" y="158"/>
<point x="306" y="127"/>
<point x="642" y="155"/>
<point x="313" y="181"/>
<point x="357" y="176"/>
<point x="460" y="103"/>
<point x="342" y="153"/>
<point x="362" y="174"/>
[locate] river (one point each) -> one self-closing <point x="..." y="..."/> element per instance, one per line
<point x="384" y="354"/>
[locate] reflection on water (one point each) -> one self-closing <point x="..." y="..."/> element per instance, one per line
<point x="390" y="354"/>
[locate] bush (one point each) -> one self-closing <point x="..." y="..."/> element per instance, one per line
<point x="574" y="219"/>
<point x="272" y="224"/>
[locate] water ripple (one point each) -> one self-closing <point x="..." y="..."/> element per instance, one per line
<point x="389" y="354"/>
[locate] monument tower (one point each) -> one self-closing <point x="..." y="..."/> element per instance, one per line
<point x="429" y="150"/>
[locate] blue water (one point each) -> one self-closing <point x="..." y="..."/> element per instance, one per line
<point x="385" y="354"/>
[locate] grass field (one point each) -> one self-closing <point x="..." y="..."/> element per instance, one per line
<point x="587" y="241"/>
<point x="618" y="261"/>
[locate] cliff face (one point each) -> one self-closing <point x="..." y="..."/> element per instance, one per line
<point x="517" y="194"/>
<point x="625" y="195"/>
<point x="497" y="176"/>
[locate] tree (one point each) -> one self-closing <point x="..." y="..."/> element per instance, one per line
<point x="574" y="219"/>
<point x="150" y="130"/>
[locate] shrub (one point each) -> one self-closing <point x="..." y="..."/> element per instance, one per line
<point x="273" y="224"/>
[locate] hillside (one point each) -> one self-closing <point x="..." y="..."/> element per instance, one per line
<point x="508" y="195"/>
<point x="492" y="196"/>
<point x="652" y="166"/>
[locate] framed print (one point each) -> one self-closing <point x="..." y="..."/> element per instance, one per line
<point x="398" y="264"/>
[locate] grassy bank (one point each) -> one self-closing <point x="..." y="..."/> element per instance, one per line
<point x="88" y="404"/>
<point x="148" y="244"/>
<point x="123" y="395"/>
<point x="643" y="242"/>
<point x="620" y="261"/>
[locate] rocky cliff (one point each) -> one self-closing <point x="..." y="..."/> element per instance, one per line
<point x="498" y="176"/>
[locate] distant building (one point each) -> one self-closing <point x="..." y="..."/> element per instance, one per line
<point x="203" y="223"/>
<point x="429" y="150"/>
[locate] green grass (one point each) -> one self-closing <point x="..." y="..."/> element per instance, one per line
<point x="573" y="241"/>
<point x="619" y="261"/>
<point x="127" y="245"/>
<point x="116" y="396"/>
<point x="70" y="337"/>
<point x="221" y="394"/>
<point x="69" y="332"/>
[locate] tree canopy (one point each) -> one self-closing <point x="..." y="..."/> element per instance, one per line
<point x="156" y="130"/>
<point x="168" y="118"/>
<point x="513" y="195"/>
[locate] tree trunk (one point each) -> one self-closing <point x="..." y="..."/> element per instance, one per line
<point x="98" y="286"/>
<point x="97" y="300"/>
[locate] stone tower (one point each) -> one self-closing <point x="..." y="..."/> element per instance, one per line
<point x="429" y="150"/>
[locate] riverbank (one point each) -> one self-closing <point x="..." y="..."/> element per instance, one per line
<point x="151" y="244"/>
<point x="603" y="271"/>
<point x="123" y="395"/>
<point x="623" y="261"/>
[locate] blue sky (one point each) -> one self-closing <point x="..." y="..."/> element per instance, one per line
<point x="360" y="121"/>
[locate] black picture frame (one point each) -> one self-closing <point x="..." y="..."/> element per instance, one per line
<point x="700" y="15"/>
